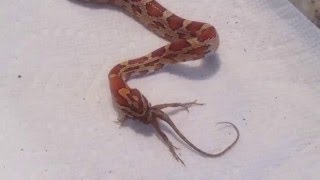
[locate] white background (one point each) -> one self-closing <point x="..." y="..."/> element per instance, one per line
<point x="57" y="119"/>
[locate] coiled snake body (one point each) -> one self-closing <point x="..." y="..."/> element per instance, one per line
<point x="189" y="40"/>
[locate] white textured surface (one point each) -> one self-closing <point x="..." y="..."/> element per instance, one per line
<point x="57" y="119"/>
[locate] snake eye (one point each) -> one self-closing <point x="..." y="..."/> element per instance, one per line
<point x="135" y="98"/>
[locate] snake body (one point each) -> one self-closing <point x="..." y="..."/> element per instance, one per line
<point x="188" y="40"/>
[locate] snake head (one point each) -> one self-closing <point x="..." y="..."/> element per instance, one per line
<point x="130" y="101"/>
<point x="134" y="104"/>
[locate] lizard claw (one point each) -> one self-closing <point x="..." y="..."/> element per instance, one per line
<point x="186" y="106"/>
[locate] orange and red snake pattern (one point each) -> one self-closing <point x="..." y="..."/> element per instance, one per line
<point x="189" y="40"/>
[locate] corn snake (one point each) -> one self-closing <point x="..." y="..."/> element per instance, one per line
<point x="189" y="40"/>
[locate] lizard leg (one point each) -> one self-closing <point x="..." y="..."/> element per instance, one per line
<point x="171" y="147"/>
<point x="186" y="106"/>
<point x="122" y="118"/>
